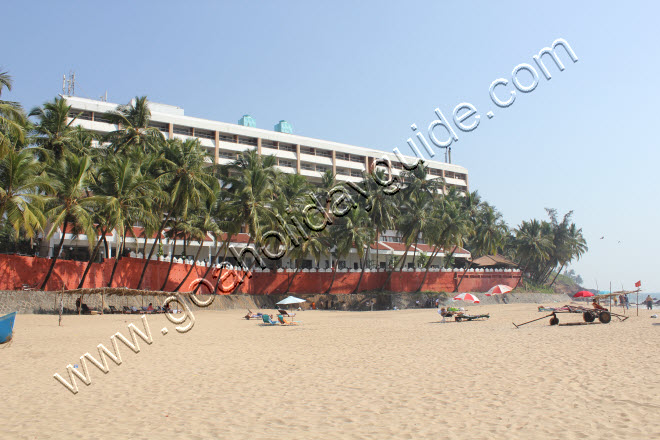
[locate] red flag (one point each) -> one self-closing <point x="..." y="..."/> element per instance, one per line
<point x="638" y="284"/>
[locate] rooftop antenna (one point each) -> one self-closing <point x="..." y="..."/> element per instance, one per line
<point x="69" y="84"/>
<point x="63" y="84"/>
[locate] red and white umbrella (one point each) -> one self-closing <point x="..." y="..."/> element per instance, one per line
<point x="499" y="289"/>
<point x="467" y="297"/>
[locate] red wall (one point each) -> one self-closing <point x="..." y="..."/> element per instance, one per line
<point x="17" y="270"/>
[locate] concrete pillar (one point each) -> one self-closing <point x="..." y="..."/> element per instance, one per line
<point x="298" y="158"/>
<point x="259" y="146"/>
<point x="171" y="131"/>
<point x="444" y="185"/>
<point x="217" y="147"/>
<point x="334" y="164"/>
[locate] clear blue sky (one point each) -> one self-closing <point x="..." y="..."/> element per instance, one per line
<point x="362" y="72"/>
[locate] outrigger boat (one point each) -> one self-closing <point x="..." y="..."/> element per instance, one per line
<point x="7" y="327"/>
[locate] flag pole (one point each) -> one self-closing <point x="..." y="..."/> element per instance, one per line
<point x="637" y="301"/>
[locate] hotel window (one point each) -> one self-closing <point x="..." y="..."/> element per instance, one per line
<point x="227" y="154"/>
<point x="247" y="141"/>
<point x="307" y="150"/>
<point x="227" y="137"/>
<point x="101" y="117"/>
<point x="342" y="156"/>
<point x="269" y="144"/>
<point x="461" y="176"/>
<point x="397" y="165"/>
<point x="322" y="168"/>
<point x="79" y="114"/>
<point x="307" y="166"/>
<point x="450" y="174"/>
<point x="285" y="163"/>
<point x="435" y="172"/>
<point x="324" y="153"/>
<point x="343" y="172"/>
<point x="181" y="129"/>
<point x="161" y="126"/>
<point x="356" y="173"/>
<point x="287" y="147"/>
<point x="206" y="134"/>
<point x="355" y="158"/>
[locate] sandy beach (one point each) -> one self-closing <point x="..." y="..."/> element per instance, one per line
<point x="354" y="375"/>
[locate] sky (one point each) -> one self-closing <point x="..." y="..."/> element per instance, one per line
<point x="362" y="72"/>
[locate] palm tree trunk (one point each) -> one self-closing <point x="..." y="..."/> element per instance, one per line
<point x="224" y="246"/>
<point x="146" y="263"/>
<point x="292" y="278"/>
<point x="364" y="266"/>
<point x="117" y="257"/>
<point x="415" y="251"/>
<point x="192" y="266"/>
<point x="92" y="257"/>
<point x="240" y="283"/>
<point x="558" y="272"/>
<point x="334" y="273"/>
<point x="377" y="241"/>
<point x="426" y="272"/>
<point x="463" y="276"/>
<point x="56" y="256"/>
<point x="169" y="267"/>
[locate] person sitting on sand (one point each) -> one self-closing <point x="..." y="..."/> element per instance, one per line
<point x="150" y="309"/>
<point x="252" y="315"/>
<point x="598" y="306"/>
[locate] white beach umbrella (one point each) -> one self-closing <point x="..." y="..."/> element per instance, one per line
<point x="467" y="297"/>
<point x="291" y="300"/>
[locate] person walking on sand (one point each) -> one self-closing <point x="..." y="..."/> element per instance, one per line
<point x="649" y="302"/>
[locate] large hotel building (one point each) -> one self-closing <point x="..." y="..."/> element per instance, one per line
<point x="295" y="154"/>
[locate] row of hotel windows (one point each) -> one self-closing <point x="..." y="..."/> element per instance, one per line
<point x="265" y="143"/>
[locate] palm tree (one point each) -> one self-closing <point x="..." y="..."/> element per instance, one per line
<point x="383" y="207"/>
<point x="54" y="132"/>
<point x="489" y="232"/>
<point x="133" y="132"/>
<point x="185" y="181"/>
<point x="447" y="229"/>
<point x="361" y="233"/>
<point x="12" y="118"/>
<point x="69" y="203"/>
<point x="20" y="185"/>
<point x="532" y="244"/>
<point x="198" y="229"/>
<point x="337" y="239"/>
<point x="127" y="194"/>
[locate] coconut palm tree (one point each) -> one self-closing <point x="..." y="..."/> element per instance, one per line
<point x="185" y="182"/>
<point x="201" y="225"/>
<point x="68" y="203"/>
<point x="127" y="194"/>
<point x="12" y="118"/>
<point x="133" y="131"/>
<point x="360" y="231"/>
<point x="20" y="185"/>
<point x="54" y="131"/>
<point x="383" y="206"/>
<point x="488" y="234"/>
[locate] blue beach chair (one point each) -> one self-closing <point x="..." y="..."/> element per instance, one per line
<point x="7" y="327"/>
<point x="267" y="320"/>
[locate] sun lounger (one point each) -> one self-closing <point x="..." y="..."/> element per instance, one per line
<point x="465" y="317"/>
<point x="287" y="314"/>
<point x="266" y="319"/>
<point x="113" y="309"/>
<point x="285" y="322"/>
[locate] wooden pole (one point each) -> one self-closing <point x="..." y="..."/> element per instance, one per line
<point x="61" y="306"/>
<point x="610" y="296"/>
<point x="637" y="301"/>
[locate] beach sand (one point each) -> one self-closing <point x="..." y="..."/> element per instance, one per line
<point x="356" y="375"/>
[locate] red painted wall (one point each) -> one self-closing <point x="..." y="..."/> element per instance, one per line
<point x="18" y="270"/>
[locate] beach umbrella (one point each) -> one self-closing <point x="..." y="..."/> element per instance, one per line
<point x="498" y="290"/>
<point x="291" y="300"/>
<point x="467" y="297"/>
<point x="583" y="294"/>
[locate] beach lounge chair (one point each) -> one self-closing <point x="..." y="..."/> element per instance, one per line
<point x="113" y="309"/>
<point x="266" y="319"/>
<point x="7" y="327"/>
<point x="285" y="322"/>
<point x="465" y="317"/>
<point x="285" y="313"/>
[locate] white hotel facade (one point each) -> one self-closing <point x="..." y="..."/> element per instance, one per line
<point x="295" y="154"/>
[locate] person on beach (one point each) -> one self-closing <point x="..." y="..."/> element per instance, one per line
<point x="649" y="302"/>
